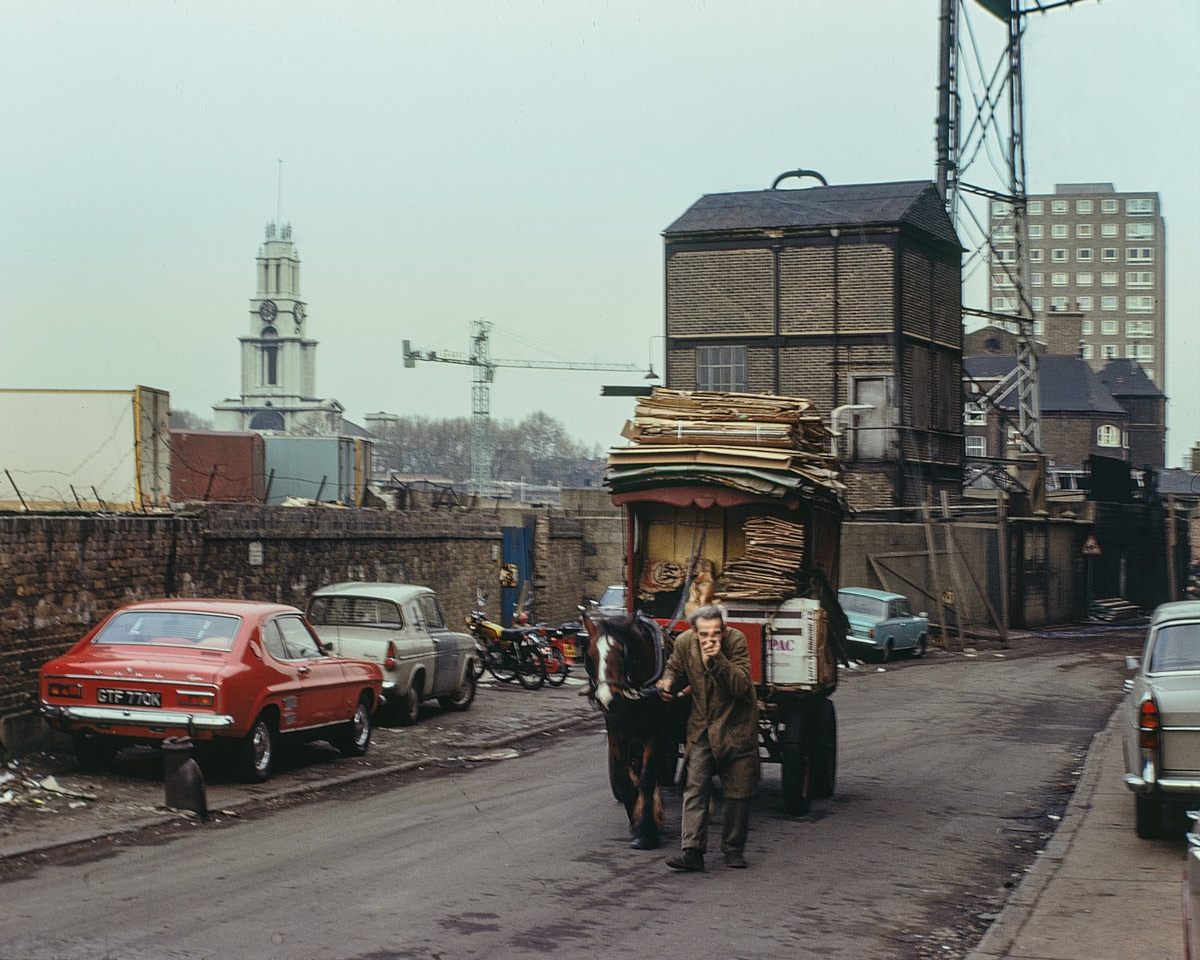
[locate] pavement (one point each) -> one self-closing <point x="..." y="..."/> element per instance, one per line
<point x="1096" y="891"/>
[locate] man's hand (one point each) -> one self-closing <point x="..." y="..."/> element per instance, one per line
<point x="709" y="633"/>
<point x="664" y="688"/>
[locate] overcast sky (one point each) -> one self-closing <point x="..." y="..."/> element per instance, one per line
<point x="513" y="162"/>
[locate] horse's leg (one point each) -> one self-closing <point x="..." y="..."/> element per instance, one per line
<point x="647" y="820"/>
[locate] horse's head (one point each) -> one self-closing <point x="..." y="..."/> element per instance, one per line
<point x="624" y="658"/>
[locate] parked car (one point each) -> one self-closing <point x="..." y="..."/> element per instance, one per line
<point x="401" y="627"/>
<point x="883" y="623"/>
<point x="612" y="602"/>
<point x="1161" y="716"/>
<point x="1191" y="891"/>
<point x="238" y="673"/>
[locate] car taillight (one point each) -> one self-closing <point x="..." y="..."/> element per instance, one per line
<point x="72" y="691"/>
<point x="195" y="698"/>
<point x="1149" y="725"/>
<point x="389" y="662"/>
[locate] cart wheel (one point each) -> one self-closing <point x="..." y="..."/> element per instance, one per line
<point x="825" y="752"/>
<point x="796" y="772"/>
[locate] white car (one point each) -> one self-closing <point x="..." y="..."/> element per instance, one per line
<point x="400" y="627"/>
<point x="1161" y="722"/>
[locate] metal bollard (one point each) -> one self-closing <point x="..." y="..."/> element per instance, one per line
<point x="183" y="782"/>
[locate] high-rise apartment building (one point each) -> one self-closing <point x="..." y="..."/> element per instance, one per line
<point x="1095" y="275"/>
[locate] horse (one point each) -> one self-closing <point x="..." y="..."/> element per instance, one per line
<point x="625" y="659"/>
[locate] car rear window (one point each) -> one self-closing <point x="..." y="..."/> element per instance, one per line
<point x="354" y="612"/>
<point x="169" y="628"/>
<point x="1176" y="647"/>
<point x="865" y="606"/>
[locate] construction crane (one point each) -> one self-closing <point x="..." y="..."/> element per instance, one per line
<point x="483" y="370"/>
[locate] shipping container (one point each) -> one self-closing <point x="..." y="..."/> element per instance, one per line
<point x="329" y="469"/>
<point x="213" y="465"/>
<point x="85" y="449"/>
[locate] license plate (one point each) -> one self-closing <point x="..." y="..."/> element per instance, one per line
<point x="568" y="650"/>
<point x="129" y="698"/>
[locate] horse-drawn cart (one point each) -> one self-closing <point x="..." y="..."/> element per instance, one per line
<point x="715" y="516"/>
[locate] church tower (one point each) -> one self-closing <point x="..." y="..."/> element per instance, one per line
<point x="279" y="361"/>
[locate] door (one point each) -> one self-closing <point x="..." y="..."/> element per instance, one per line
<point x="517" y="547"/>
<point x="871" y="440"/>
<point x="445" y="645"/>
<point x="324" y="692"/>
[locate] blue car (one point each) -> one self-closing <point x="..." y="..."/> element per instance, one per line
<point x="883" y="623"/>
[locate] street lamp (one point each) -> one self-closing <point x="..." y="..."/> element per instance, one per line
<point x="834" y="432"/>
<point x="650" y="374"/>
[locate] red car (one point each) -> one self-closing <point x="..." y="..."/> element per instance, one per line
<point x="233" y="672"/>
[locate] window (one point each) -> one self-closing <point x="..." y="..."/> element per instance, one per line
<point x="1109" y="230"/>
<point x="1001" y="208"/>
<point x="1083" y="206"/>
<point x="1035" y="279"/>
<point x="976" y="446"/>
<point x="1108" y="351"/>
<point x="1085" y="328"/>
<point x="1139" y="231"/>
<point x="1130" y="351"/>
<point x="721" y="368"/>
<point x="973" y="415"/>
<point x="1108" y="327"/>
<point x="1139" y="254"/>
<point x="1084" y="254"/>
<point x="1059" y="303"/>
<point x="999" y="305"/>
<point x="1142" y="304"/>
<point x="1006" y="256"/>
<point x="1085" y="351"/>
<point x="1002" y="231"/>
<point x="1108" y="253"/>
<point x="298" y="642"/>
<point x="1058" y="231"/>
<point x="1059" y="255"/>
<point x="1035" y="231"/>
<point x="1083" y="229"/>
<point x="431" y="613"/>
<point x="1108" y="303"/>
<point x="1035" y="255"/>
<point x="1148" y="371"/>
<point x="1145" y="351"/>
<point x="1139" y="278"/>
<point x="1002" y="280"/>
<point x="1085" y="303"/>
<point x="1058" y="279"/>
<point x="1108" y="278"/>
<point x="1038" y="304"/>
<point x="1139" y="206"/>
<point x="1139" y="328"/>
<point x="1039" y="327"/>
<point x="1108" y="436"/>
<point x="1109" y="206"/>
<point x="1083" y="279"/>
<point x="1059" y="206"/>
<point x="1035" y="208"/>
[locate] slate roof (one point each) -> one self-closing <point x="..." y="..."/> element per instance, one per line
<point x="1181" y="482"/>
<point x="914" y="203"/>
<point x="1126" y="378"/>
<point x="1065" y="384"/>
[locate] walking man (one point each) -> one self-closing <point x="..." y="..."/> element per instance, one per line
<point x="722" y="733"/>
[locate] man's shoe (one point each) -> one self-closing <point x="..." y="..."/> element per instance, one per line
<point x="690" y="861"/>
<point x="735" y="859"/>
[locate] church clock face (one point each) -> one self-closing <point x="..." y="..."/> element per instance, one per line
<point x="267" y="311"/>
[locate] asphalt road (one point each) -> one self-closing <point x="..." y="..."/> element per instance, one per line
<point x="950" y="774"/>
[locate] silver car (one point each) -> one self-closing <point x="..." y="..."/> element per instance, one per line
<point x="1161" y="718"/>
<point x="401" y="627"/>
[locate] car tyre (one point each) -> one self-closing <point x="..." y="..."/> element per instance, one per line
<point x="1148" y="816"/>
<point x="408" y="707"/>
<point x="354" y="738"/>
<point x="93" y="752"/>
<point x="919" y="650"/>
<point x="464" y="696"/>
<point x="888" y="652"/>
<point x="255" y="753"/>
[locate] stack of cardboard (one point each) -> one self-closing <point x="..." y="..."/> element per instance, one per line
<point x="769" y="567"/>
<point x="757" y="443"/>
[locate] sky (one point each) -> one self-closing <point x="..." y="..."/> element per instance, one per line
<point x="514" y="162"/>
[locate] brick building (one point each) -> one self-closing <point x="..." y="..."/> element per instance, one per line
<point x="1133" y="389"/>
<point x="842" y="295"/>
<point x="1099" y="256"/>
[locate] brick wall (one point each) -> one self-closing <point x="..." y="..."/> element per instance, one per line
<point x="720" y="293"/>
<point x="602" y="539"/>
<point x="59" y="575"/>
